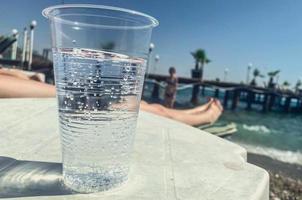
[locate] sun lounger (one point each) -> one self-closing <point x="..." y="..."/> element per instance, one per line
<point x="221" y="130"/>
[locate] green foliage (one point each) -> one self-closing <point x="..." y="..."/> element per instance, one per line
<point x="273" y="73"/>
<point x="286" y="83"/>
<point x="256" y="73"/>
<point x="200" y="57"/>
<point x="1" y="38"/>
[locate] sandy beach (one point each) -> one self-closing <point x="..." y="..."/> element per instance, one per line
<point x="285" y="178"/>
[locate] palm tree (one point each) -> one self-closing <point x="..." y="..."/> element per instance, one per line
<point x="201" y="59"/>
<point x="272" y="75"/>
<point x="298" y="85"/>
<point x="286" y="85"/>
<point x="256" y="73"/>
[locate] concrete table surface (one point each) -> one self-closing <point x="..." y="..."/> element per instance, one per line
<point x="171" y="160"/>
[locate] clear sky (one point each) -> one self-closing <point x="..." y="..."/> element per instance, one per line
<point x="267" y="33"/>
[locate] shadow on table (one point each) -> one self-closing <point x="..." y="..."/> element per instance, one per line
<point x="19" y="178"/>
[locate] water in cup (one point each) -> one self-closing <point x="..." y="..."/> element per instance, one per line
<point x="98" y="96"/>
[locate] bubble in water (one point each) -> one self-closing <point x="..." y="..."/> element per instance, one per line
<point x="127" y="68"/>
<point x="74" y="41"/>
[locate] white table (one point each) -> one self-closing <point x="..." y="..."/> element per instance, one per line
<point x="171" y="160"/>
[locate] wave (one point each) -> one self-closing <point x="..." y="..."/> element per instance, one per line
<point x="293" y="157"/>
<point x="256" y="128"/>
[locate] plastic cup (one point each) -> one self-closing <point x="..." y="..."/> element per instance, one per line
<point x="99" y="55"/>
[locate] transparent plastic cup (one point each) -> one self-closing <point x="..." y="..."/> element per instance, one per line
<point x="99" y="55"/>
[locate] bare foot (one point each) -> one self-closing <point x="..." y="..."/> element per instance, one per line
<point x="213" y="112"/>
<point x="201" y="108"/>
<point x="218" y="103"/>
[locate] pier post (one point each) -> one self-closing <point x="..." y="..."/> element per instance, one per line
<point x="195" y="94"/>
<point x="249" y="100"/>
<point x="236" y="95"/>
<point x="216" y="93"/>
<point x="265" y="103"/>
<point x="155" y="91"/>
<point x="226" y="99"/>
<point x="298" y="105"/>
<point x="287" y="104"/>
<point x="271" y="101"/>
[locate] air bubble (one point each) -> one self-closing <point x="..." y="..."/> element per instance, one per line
<point x="127" y="68"/>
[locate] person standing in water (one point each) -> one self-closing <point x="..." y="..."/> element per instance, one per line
<point x="171" y="88"/>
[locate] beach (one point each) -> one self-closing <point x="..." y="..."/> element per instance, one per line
<point x="285" y="178"/>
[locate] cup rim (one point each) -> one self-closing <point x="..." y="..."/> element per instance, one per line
<point x="47" y="12"/>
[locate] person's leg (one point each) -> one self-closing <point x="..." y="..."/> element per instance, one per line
<point x="218" y="103"/>
<point x="172" y="102"/>
<point x="208" y="116"/>
<point x="155" y="109"/>
<point x="14" y="73"/>
<point x="167" y="101"/>
<point x="195" y="110"/>
<point x="200" y="108"/>
<point x="12" y="87"/>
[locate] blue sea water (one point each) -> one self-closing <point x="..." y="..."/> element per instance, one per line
<point x="274" y="134"/>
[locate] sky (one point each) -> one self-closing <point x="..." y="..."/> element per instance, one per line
<point x="234" y="33"/>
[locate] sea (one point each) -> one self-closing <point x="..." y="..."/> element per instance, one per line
<point x="274" y="134"/>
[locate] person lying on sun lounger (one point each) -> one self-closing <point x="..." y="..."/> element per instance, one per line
<point x="17" y="86"/>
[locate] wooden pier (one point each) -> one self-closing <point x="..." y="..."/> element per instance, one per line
<point x="250" y="97"/>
